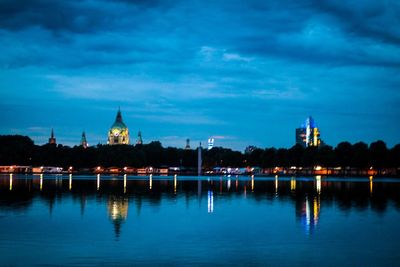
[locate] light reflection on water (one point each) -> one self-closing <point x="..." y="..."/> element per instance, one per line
<point x="111" y="220"/>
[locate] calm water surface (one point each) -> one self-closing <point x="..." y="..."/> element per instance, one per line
<point x="124" y="221"/>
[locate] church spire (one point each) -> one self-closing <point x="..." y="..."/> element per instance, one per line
<point x="139" y="140"/>
<point x="52" y="139"/>
<point x="187" y="144"/>
<point x="83" y="140"/>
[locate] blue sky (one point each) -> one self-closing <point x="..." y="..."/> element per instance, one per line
<point x="245" y="72"/>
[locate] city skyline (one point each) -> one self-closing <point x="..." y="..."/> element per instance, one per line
<point x="241" y="72"/>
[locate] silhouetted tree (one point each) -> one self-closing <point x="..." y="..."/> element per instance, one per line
<point x="20" y="150"/>
<point x="395" y="156"/>
<point x="360" y="155"/>
<point x="16" y="148"/>
<point x="295" y="155"/>
<point x="310" y="156"/>
<point x="343" y="154"/>
<point x="282" y="157"/>
<point x="326" y="156"/>
<point x="378" y="154"/>
<point x="269" y="158"/>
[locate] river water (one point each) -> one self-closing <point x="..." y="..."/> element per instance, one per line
<point x="55" y="220"/>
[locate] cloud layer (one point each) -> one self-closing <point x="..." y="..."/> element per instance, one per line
<point x="250" y="70"/>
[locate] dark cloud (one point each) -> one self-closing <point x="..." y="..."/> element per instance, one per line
<point x="376" y="20"/>
<point x="348" y="36"/>
<point x="325" y="54"/>
<point x="50" y="15"/>
<point x="73" y="16"/>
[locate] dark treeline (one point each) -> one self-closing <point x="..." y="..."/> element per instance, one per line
<point x="20" y="150"/>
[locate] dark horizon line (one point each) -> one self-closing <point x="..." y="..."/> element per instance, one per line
<point x="205" y="147"/>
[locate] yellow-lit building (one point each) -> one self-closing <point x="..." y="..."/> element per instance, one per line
<point x="118" y="133"/>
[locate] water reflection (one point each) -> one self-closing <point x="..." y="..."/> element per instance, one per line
<point x="318" y="183"/>
<point x="175" y="183"/>
<point x="293" y="184"/>
<point x="117" y="207"/>
<point x="125" y="177"/>
<point x="70" y="182"/>
<point x="371" y="185"/>
<point x="41" y="182"/>
<point x="11" y="180"/>
<point x="150" y="181"/>
<point x="307" y="211"/>
<point x="307" y="196"/>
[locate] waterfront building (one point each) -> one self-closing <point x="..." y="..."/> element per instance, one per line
<point x="118" y="133"/>
<point x="308" y="134"/>
<point x="139" y="139"/>
<point x="187" y="147"/>
<point x="52" y="139"/>
<point x="83" y="140"/>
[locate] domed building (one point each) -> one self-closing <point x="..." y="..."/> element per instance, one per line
<point x="118" y="133"/>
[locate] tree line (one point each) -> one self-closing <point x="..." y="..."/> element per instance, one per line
<point x="21" y="150"/>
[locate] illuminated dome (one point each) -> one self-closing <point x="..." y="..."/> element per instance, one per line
<point x="118" y="133"/>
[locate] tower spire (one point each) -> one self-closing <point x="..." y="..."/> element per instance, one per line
<point x="139" y="140"/>
<point x="83" y="140"/>
<point x="119" y="116"/>
<point x="52" y="139"/>
<point x="187" y="144"/>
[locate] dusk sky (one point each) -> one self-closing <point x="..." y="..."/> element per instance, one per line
<point x="245" y="72"/>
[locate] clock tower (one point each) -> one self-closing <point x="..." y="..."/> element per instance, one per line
<point x="118" y="133"/>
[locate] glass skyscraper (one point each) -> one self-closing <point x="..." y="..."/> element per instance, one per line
<point x="308" y="134"/>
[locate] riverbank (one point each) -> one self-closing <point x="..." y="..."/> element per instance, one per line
<point x="216" y="171"/>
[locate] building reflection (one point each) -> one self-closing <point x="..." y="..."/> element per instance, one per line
<point x="210" y="202"/>
<point x="293" y="184"/>
<point x="83" y="204"/>
<point x="117" y="207"/>
<point x="318" y="183"/>
<point x="307" y="212"/>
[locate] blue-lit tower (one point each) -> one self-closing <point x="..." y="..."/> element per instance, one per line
<point x="308" y="134"/>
